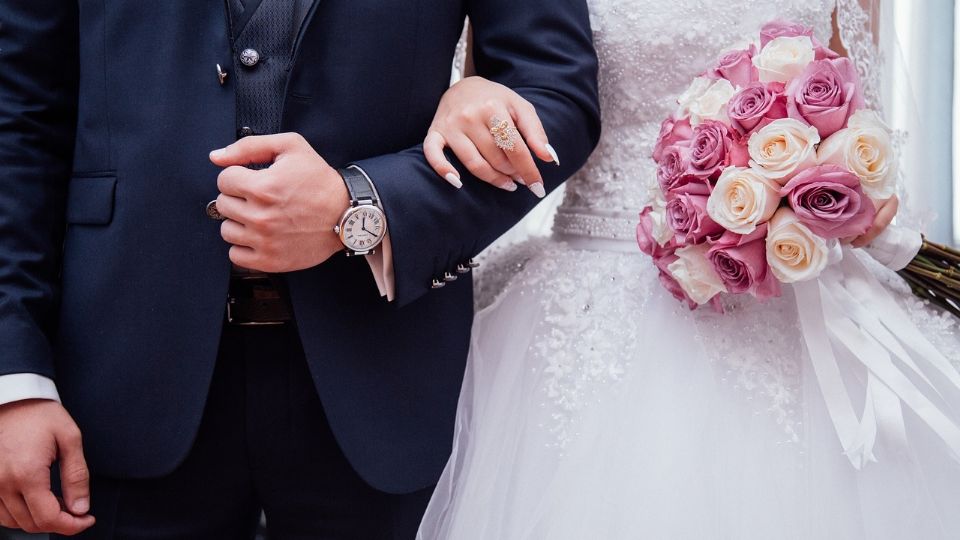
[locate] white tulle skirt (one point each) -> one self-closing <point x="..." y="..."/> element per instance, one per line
<point x="595" y="407"/>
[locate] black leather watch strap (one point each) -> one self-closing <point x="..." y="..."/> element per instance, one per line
<point x="359" y="186"/>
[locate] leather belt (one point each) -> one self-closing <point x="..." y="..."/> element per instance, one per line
<point x="257" y="300"/>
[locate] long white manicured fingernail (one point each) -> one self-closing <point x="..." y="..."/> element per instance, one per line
<point x="508" y="186"/>
<point x="553" y="154"/>
<point x="538" y="190"/>
<point x="454" y="180"/>
<point x="218" y="153"/>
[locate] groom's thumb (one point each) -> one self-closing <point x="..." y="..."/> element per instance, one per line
<point x="74" y="474"/>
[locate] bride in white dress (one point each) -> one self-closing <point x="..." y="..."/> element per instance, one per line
<point x="595" y="406"/>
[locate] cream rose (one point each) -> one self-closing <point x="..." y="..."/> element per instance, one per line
<point x="662" y="232"/>
<point x="794" y="253"/>
<point x="784" y="58"/>
<point x="693" y="92"/>
<point x="712" y="104"/>
<point x="743" y="199"/>
<point x="783" y="148"/>
<point x="866" y="149"/>
<point x="695" y="273"/>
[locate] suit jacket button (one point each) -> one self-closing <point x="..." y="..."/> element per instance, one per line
<point x="447" y="276"/>
<point x="245" y="131"/>
<point x="212" y="211"/>
<point x="249" y="57"/>
<point x="437" y="284"/>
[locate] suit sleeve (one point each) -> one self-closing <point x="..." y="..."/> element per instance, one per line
<point x="38" y="100"/>
<point x="543" y="52"/>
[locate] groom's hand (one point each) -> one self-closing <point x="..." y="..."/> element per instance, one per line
<point x="33" y="434"/>
<point x="281" y="218"/>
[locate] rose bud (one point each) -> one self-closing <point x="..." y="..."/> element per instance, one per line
<point x="866" y="149"/>
<point x="775" y="29"/>
<point x="829" y="200"/>
<point x="755" y="106"/>
<point x="784" y="58"/>
<point x="742" y="200"/>
<point x="741" y="263"/>
<point x="713" y="149"/>
<point x="672" y="131"/>
<point x="673" y="168"/>
<point x="783" y="148"/>
<point x="695" y="274"/>
<point x="737" y="67"/>
<point x="669" y="283"/>
<point x="794" y="253"/>
<point x="825" y="95"/>
<point x="687" y="214"/>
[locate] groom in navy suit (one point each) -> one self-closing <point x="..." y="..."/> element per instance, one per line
<point x="182" y="332"/>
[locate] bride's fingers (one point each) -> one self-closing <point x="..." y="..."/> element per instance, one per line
<point x="519" y="157"/>
<point x="470" y="156"/>
<point x="530" y="126"/>
<point x="885" y="214"/>
<point x="433" y="147"/>
<point x="522" y="162"/>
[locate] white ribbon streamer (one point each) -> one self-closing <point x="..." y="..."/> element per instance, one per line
<point x="847" y="309"/>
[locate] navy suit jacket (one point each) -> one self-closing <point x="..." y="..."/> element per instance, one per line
<point x="113" y="279"/>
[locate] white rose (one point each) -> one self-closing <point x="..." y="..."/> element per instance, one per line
<point x="712" y="104"/>
<point x="695" y="273"/>
<point x="783" y="148"/>
<point x="784" y="58"/>
<point x="662" y="232"/>
<point x="794" y="253"/>
<point x="866" y="149"/>
<point x="743" y="199"/>
<point x="696" y="89"/>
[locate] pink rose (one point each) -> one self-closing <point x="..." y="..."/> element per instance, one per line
<point x="647" y="238"/>
<point x="669" y="283"/>
<point x="756" y="106"/>
<point x="736" y="67"/>
<point x="825" y="95"/>
<point x="829" y="200"/>
<point x="713" y="149"/>
<point x="741" y="263"/>
<point x="687" y="214"/>
<point x="673" y="170"/>
<point x="672" y="131"/>
<point x="774" y="29"/>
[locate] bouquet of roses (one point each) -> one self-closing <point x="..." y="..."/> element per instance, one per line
<point x="770" y="160"/>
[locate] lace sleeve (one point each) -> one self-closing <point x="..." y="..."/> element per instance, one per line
<point x="858" y="23"/>
<point x="461" y="58"/>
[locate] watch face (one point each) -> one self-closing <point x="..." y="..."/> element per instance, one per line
<point x="363" y="228"/>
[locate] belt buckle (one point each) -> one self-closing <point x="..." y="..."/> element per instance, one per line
<point x="231" y="320"/>
<point x="251" y="288"/>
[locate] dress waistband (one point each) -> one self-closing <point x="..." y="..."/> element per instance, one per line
<point x="597" y="224"/>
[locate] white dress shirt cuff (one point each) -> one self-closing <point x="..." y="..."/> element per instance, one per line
<point x="381" y="264"/>
<point x="21" y="386"/>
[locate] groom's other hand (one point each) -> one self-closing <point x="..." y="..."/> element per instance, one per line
<point x="281" y="218"/>
<point x="34" y="434"/>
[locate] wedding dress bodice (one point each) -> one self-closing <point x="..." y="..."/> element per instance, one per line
<point x="649" y="54"/>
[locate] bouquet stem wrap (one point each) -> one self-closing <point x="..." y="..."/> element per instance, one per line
<point x="847" y="312"/>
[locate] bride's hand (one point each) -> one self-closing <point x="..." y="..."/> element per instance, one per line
<point x="886" y="211"/>
<point x="463" y="122"/>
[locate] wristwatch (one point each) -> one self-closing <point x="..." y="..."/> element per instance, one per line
<point x="363" y="225"/>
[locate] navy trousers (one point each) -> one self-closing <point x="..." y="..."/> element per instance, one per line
<point x="264" y="444"/>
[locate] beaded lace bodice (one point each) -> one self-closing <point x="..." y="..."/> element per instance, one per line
<point x="594" y="293"/>
<point x="649" y="53"/>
